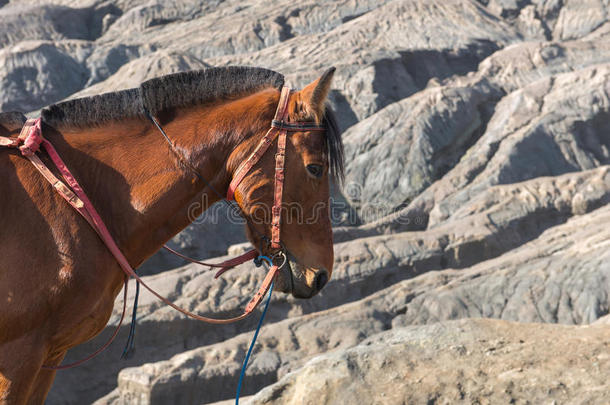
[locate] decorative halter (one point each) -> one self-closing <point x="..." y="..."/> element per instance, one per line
<point x="30" y="140"/>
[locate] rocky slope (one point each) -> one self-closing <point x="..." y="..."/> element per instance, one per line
<point x="477" y="136"/>
<point x="457" y="362"/>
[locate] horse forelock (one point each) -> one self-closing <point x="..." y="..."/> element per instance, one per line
<point x="334" y="143"/>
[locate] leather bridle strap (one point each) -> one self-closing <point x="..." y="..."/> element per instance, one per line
<point x="278" y="191"/>
<point x="223" y="266"/>
<point x="280" y="114"/>
<point x="279" y="128"/>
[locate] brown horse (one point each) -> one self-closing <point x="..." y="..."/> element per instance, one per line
<point x="58" y="281"/>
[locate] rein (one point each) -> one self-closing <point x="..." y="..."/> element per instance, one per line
<point x="30" y="140"/>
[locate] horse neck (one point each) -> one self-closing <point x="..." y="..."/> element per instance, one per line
<point x="140" y="185"/>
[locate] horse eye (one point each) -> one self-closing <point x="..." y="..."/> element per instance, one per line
<point x="315" y="170"/>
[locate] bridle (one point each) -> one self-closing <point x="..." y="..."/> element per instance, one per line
<point x="30" y="140"/>
<point x="280" y="126"/>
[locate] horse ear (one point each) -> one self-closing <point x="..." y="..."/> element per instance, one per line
<point x="314" y="94"/>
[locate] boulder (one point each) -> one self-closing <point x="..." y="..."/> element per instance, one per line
<point x="462" y="362"/>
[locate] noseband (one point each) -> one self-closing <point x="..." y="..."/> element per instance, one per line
<point x="31" y="139"/>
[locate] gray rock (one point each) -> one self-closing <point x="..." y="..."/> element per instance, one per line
<point x="551" y="19"/>
<point x="533" y="134"/>
<point x="184" y="379"/>
<point x="580" y="17"/>
<point x="549" y="127"/>
<point x="42" y="22"/>
<point x="470" y="361"/>
<point x="562" y="276"/>
<point x="519" y="65"/>
<point x="401" y="39"/>
<point x="414" y="142"/>
<point x="34" y="74"/>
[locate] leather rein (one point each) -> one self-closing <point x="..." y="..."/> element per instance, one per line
<point x="30" y="140"/>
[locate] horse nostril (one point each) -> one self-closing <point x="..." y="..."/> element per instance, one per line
<point x="321" y="280"/>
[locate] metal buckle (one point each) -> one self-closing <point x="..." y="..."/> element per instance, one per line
<point x="280" y="253"/>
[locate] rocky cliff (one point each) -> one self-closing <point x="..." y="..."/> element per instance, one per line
<point x="477" y="136"/>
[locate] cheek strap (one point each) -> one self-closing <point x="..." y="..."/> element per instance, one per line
<point x="279" y="128"/>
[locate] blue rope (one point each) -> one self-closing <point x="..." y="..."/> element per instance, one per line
<point x="258" y="328"/>
<point x="130" y="346"/>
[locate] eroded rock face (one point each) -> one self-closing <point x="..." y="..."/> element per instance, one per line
<point x="478" y="180"/>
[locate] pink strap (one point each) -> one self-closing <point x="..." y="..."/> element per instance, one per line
<point x="31" y="137"/>
<point x="245" y="167"/>
<point x="224" y="266"/>
<point x="103" y="232"/>
<point x="263" y="145"/>
<point x="276" y="221"/>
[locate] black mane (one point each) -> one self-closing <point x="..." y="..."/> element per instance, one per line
<point x="155" y="95"/>
<point x="11" y="119"/>
<point x="181" y="90"/>
<point x="336" y="161"/>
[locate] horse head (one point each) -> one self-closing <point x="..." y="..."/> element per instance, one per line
<point x="312" y="158"/>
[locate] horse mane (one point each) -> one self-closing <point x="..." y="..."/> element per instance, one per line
<point x="12" y="119"/>
<point x="183" y="90"/>
<point x="155" y="95"/>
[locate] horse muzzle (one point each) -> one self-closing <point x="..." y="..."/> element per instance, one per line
<point x="299" y="280"/>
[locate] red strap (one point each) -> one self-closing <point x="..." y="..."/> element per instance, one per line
<point x="245" y="167"/>
<point x="276" y="221"/>
<point x="263" y="145"/>
<point x="258" y="297"/>
<point x="280" y="160"/>
<point x="224" y="266"/>
<point x="249" y="308"/>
